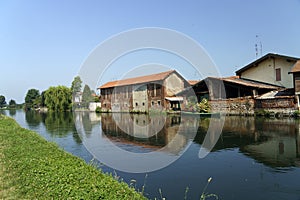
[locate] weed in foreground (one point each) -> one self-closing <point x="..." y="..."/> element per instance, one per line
<point x="205" y="195"/>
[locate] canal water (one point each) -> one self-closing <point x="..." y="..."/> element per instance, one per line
<point x="253" y="158"/>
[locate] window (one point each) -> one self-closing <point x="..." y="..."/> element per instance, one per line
<point x="136" y="104"/>
<point x="143" y="103"/>
<point x="158" y="89"/>
<point x="158" y="102"/>
<point x="278" y="74"/>
<point x="152" y="103"/>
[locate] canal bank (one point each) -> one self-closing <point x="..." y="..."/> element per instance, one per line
<point x="32" y="168"/>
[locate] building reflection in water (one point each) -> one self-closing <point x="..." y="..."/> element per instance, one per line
<point x="273" y="142"/>
<point x="166" y="133"/>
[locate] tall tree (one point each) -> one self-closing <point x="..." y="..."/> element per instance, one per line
<point x="2" y="101"/>
<point x="58" y="98"/>
<point x="12" y="103"/>
<point x="32" y="99"/>
<point x="87" y="94"/>
<point x="76" y="85"/>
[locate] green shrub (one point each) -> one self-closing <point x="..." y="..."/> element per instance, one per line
<point x="98" y="109"/>
<point x="203" y="106"/>
<point x="296" y="113"/>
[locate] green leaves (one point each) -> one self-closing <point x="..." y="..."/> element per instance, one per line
<point x="58" y="98"/>
<point x="32" y="99"/>
<point x="2" y="101"/>
<point x="201" y="107"/>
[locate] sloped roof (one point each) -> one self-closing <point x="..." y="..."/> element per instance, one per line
<point x="296" y="67"/>
<point x="249" y="83"/>
<point x="137" y="80"/>
<point x="289" y="92"/>
<point x="244" y="82"/>
<point x="263" y="58"/>
<point x="192" y="82"/>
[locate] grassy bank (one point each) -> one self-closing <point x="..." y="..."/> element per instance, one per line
<point x="32" y="168"/>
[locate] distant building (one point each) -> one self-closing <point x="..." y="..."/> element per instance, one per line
<point x="296" y="81"/>
<point x="215" y="88"/>
<point x="144" y="93"/>
<point x="271" y="69"/>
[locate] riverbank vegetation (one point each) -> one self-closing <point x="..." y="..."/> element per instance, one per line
<point x="202" y="107"/>
<point x="32" y="168"/>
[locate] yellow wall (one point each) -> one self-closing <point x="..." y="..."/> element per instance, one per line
<point x="265" y="72"/>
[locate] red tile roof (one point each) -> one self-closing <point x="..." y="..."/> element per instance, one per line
<point x="137" y="80"/>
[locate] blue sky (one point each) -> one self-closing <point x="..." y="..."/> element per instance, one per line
<point x="44" y="43"/>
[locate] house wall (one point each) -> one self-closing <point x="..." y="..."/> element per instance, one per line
<point x="266" y="72"/>
<point x="297" y="82"/>
<point x="140" y="98"/>
<point x="155" y="96"/>
<point x="94" y="105"/>
<point x="106" y="95"/>
<point x="117" y="99"/>
<point x="173" y="85"/>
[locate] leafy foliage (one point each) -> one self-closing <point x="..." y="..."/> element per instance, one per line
<point x="87" y="96"/>
<point x="32" y="99"/>
<point x="58" y="98"/>
<point x="201" y="107"/>
<point x="98" y="109"/>
<point x="12" y="103"/>
<point x="2" y="101"/>
<point x="76" y="85"/>
<point x="63" y="120"/>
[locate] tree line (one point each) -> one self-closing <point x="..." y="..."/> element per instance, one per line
<point x="11" y="104"/>
<point x="57" y="98"/>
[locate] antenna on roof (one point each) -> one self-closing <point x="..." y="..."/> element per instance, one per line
<point x="256" y="47"/>
<point x="260" y="44"/>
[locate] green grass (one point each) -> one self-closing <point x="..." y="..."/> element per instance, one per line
<point x="32" y="168"/>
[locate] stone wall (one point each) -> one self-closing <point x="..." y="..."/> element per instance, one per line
<point x="286" y="102"/>
<point x="248" y="106"/>
<point x="235" y="106"/>
<point x="283" y="106"/>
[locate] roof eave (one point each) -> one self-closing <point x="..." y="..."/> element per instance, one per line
<point x="267" y="56"/>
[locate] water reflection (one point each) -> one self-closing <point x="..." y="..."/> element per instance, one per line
<point x="2" y="112"/>
<point x="274" y="142"/>
<point x="251" y="152"/>
<point x="146" y="142"/>
<point x="57" y="124"/>
<point x="148" y="132"/>
<point x="12" y="112"/>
